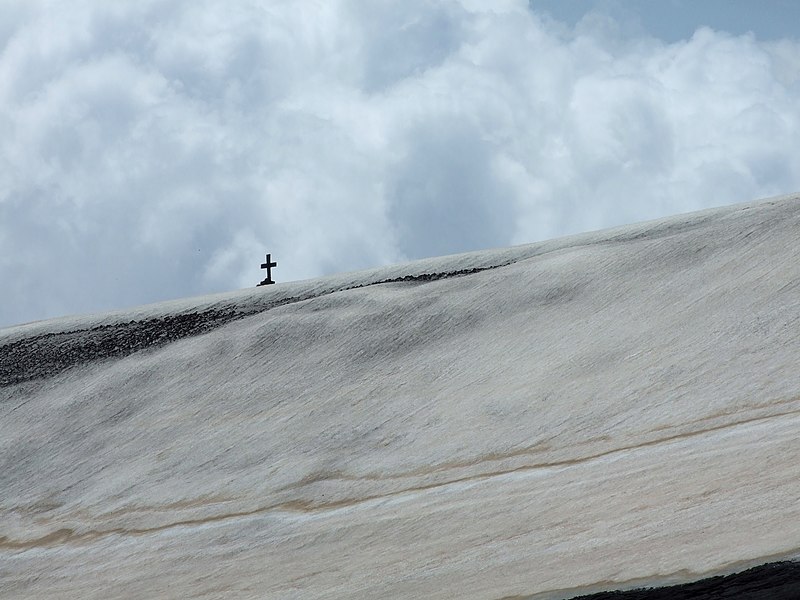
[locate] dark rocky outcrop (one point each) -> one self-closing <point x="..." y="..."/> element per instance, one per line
<point x="771" y="581"/>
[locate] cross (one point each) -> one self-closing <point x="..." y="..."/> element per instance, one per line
<point x="268" y="266"/>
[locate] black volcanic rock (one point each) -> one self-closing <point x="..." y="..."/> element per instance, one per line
<point x="771" y="581"/>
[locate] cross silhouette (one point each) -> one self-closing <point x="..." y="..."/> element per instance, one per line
<point x="268" y="266"/>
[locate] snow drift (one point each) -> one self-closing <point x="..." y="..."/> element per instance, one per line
<point x="600" y="411"/>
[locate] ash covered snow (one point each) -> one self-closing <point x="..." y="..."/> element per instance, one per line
<point x="602" y="411"/>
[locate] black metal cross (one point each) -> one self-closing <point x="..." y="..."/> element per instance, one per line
<point x="268" y="266"/>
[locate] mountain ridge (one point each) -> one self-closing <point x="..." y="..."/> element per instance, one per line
<point x="612" y="407"/>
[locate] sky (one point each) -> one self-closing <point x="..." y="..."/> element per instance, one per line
<point x="157" y="149"/>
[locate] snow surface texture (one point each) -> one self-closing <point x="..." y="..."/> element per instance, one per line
<point x="607" y="410"/>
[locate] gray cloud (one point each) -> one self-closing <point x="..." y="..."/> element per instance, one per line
<point x="157" y="149"/>
<point x="443" y="196"/>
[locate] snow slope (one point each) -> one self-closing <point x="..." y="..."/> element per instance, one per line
<point x="593" y="412"/>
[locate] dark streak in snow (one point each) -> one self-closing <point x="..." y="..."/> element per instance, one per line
<point x="48" y="355"/>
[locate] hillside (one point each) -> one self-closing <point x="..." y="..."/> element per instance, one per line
<point x="602" y="411"/>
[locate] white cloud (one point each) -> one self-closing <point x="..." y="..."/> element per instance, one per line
<point x="157" y="149"/>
